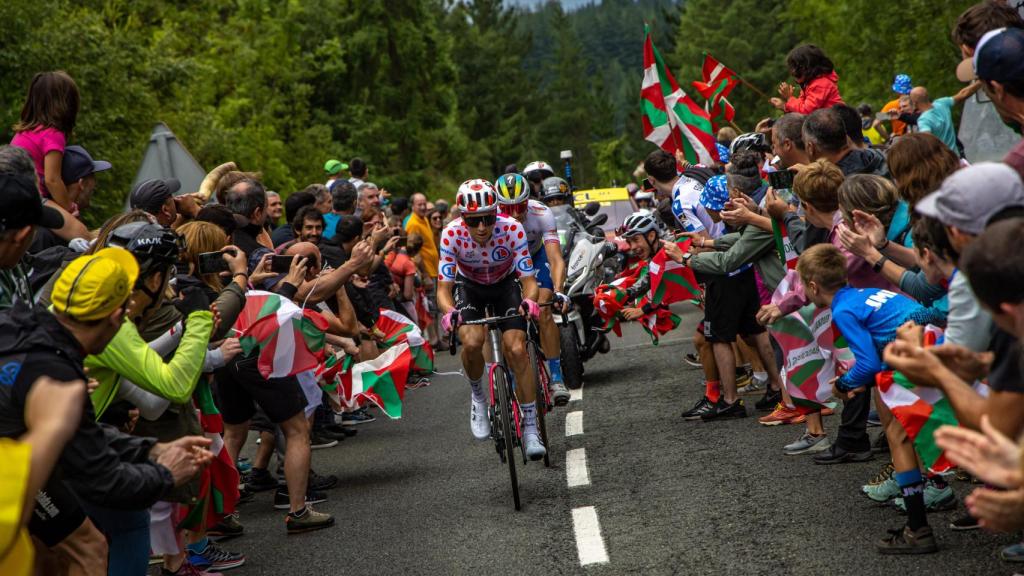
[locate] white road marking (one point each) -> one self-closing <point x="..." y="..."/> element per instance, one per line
<point x="576" y="395"/>
<point x="574" y="423"/>
<point x="576" y="473"/>
<point x="589" y="543"/>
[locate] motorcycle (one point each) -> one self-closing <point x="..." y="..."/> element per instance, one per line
<point x="587" y="255"/>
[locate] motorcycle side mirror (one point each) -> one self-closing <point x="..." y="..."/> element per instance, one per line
<point x="599" y="220"/>
<point x="591" y="208"/>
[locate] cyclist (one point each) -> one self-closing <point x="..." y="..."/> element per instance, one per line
<point x="643" y="234"/>
<point x="481" y="254"/>
<point x="546" y="252"/>
<point x="535" y="173"/>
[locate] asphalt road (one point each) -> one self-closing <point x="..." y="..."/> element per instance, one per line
<point x="419" y="496"/>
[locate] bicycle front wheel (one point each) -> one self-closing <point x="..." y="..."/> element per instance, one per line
<point x="508" y="429"/>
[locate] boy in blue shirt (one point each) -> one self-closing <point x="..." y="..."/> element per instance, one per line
<point x="869" y="318"/>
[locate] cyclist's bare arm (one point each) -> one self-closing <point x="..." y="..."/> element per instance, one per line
<point x="445" y="301"/>
<point x="553" y="250"/>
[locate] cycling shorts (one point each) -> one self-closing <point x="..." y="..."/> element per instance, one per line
<point x="478" y="301"/>
<point x="543" y="269"/>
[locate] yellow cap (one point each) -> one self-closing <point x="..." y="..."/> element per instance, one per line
<point x="92" y="287"/>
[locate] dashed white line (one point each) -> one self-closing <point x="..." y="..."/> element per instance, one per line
<point x="589" y="543"/>
<point x="576" y="395"/>
<point x="574" y="423"/>
<point x="576" y="473"/>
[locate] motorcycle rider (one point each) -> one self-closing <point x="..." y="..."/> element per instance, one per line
<point x="546" y="252"/>
<point x="535" y="173"/>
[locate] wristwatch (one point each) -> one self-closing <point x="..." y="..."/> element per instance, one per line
<point x="686" y="258"/>
<point x="877" y="266"/>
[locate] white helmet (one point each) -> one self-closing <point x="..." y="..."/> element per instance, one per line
<point x="644" y="195"/>
<point x="639" y="223"/>
<point x="543" y="169"/>
<point x="476" y="196"/>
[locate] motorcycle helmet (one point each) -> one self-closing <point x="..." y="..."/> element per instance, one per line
<point x="554" y="188"/>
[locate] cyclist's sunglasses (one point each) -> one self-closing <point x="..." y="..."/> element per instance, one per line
<point x="515" y="209"/>
<point x="475" y="221"/>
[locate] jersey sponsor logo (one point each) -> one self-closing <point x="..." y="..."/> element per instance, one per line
<point x="500" y="253"/>
<point x="878" y="299"/>
<point x="525" y="265"/>
<point x="448" y="270"/>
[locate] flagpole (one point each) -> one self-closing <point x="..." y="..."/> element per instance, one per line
<point x="741" y="79"/>
<point x="738" y="129"/>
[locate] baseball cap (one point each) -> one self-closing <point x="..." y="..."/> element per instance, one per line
<point x="333" y="167"/>
<point x="150" y="195"/>
<point x="971" y="196"/>
<point x="78" y="164"/>
<point x="901" y="84"/>
<point x="715" y="193"/>
<point x="91" y="287"/>
<point x="20" y="204"/>
<point x="1000" y="55"/>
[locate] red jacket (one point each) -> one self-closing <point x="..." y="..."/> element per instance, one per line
<point x="822" y="92"/>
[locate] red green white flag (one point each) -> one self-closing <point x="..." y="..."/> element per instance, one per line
<point x="218" y="490"/>
<point x="671" y="281"/>
<point x="714" y="71"/>
<point x="671" y="119"/>
<point x="784" y="245"/>
<point x="921" y="411"/>
<point x="660" y="321"/>
<point x="811" y="357"/>
<point x="380" y="381"/>
<point x="397" y="328"/>
<point x="289" y="339"/>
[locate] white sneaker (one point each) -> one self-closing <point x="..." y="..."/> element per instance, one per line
<point x="479" y="423"/>
<point x="559" y="393"/>
<point x="534" y="447"/>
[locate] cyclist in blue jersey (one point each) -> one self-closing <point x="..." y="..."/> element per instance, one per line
<point x="868" y="318"/>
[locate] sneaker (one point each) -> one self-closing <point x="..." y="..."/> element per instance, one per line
<point x="245" y="495"/>
<point x="807" y="444"/>
<point x="1013" y="553"/>
<point x="228" y="527"/>
<point x="333" y="433"/>
<point x="722" y="410"/>
<point x="769" y="400"/>
<point x="837" y="455"/>
<point x="319" y="483"/>
<point x="964" y="523"/>
<point x="534" y="446"/>
<point x="317" y="441"/>
<point x="479" y="423"/>
<point x="356" y="418"/>
<point x="693" y="359"/>
<point x="336" y="429"/>
<point x="261" y="480"/>
<point x="281" y="501"/>
<point x="884" y="474"/>
<point x="221" y="559"/>
<point x="743" y="379"/>
<point x="882" y="492"/>
<point x="187" y="569"/>
<point x="755" y="386"/>
<point x="307" y="520"/>
<point x="243" y="465"/>
<point x="781" y="415"/>
<point x="906" y="541"/>
<point x="559" y="393"/>
<point x="935" y="499"/>
<point x="703" y="406"/>
<point x="873" y="419"/>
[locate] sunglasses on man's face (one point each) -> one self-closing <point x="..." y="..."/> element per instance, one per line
<point x="516" y="209"/>
<point x="476" y="221"/>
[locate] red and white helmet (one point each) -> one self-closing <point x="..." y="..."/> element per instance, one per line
<point x="477" y="196"/>
<point x="538" y="171"/>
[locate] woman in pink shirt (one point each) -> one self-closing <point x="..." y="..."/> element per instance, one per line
<point x="47" y="119"/>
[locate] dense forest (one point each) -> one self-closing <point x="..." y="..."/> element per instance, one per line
<point x="429" y="92"/>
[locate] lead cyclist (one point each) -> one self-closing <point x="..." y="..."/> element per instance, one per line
<point x="481" y="255"/>
<point x="546" y="251"/>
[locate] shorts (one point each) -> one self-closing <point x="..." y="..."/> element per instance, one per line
<point x="241" y="388"/>
<point x="730" y="307"/>
<point x="478" y="301"/>
<point x="543" y="269"/>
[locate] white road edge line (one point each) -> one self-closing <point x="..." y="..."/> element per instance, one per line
<point x="574" y="423"/>
<point x="576" y="473"/>
<point x="576" y="395"/>
<point x="589" y="543"/>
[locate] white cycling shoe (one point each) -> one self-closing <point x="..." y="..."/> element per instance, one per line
<point x="479" y="423"/>
<point x="535" y="449"/>
<point x="559" y="393"/>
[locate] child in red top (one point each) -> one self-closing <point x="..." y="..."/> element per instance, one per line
<point x="819" y="84"/>
<point x="47" y="119"/>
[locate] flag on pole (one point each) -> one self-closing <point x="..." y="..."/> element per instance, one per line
<point x="920" y="411"/>
<point x="671" y="119"/>
<point x="714" y="71"/>
<point x="784" y="245"/>
<point x="381" y="381"/>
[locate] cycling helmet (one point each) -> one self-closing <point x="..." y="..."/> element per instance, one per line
<point x="632" y="189"/>
<point x="639" y="223"/>
<point x="155" y="248"/>
<point x="476" y="197"/>
<point x="644" y="195"/>
<point x="754" y="141"/>
<point x="538" y="170"/>
<point x="554" y="188"/>
<point x="512" y="189"/>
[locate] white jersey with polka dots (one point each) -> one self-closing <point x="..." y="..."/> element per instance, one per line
<point x="505" y="253"/>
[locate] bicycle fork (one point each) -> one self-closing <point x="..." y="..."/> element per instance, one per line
<point x="499" y="360"/>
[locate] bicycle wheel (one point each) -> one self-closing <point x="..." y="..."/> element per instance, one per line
<point x="543" y="398"/>
<point x="504" y="400"/>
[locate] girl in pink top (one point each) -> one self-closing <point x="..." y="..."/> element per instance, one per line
<point x="47" y="119"/>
